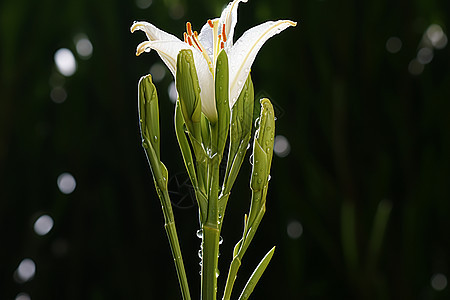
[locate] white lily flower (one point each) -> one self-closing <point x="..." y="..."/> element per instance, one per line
<point x="216" y="34"/>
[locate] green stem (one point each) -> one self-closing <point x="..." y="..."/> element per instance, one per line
<point x="171" y="232"/>
<point x="210" y="261"/>
<point x="211" y="235"/>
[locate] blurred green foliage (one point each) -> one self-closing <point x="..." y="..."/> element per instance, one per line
<point x="367" y="138"/>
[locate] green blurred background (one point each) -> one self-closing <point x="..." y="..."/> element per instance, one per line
<point x="359" y="199"/>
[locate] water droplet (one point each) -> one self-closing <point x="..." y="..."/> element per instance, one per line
<point x="259" y="180"/>
<point x="155" y="138"/>
<point x="220" y="240"/>
<point x="217" y="273"/>
<point x="147" y="49"/>
<point x="257" y="122"/>
<point x="239" y="82"/>
<point x="144" y="144"/>
<point x="269" y="177"/>
<point x="251" y="159"/>
<point x="200" y="254"/>
<point x="200" y="233"/>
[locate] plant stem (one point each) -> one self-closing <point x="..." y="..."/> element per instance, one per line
<point x="171" y="232"/>
<point x="209" y="262"/>
<point x="211" y="234"/>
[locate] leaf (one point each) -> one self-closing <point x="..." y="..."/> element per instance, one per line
<point x="251" y="283"/>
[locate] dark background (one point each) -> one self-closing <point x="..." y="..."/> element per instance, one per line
<point x="365" y="126"/>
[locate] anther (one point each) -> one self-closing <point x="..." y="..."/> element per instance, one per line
<point x="211" y="24"/>
<point x="222" y="45"/>
<point x="185" y="37"/>
<point x="224" y="36"/>
<point x="189" y="28"/>
<point x="189" y="40"/>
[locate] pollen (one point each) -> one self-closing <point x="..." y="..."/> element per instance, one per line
<point x="210" y="23"/>
<point x="189" y="28"/>
<point x="224" y="36"/>
<point x="189" y="40"/>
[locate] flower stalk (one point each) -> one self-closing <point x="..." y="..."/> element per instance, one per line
<point x="214" y="111"/>
<point x="149" y="123"/>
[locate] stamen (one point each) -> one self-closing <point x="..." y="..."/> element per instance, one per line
<point x="210" y="23"/>
<point x="189" y="40"/>
<point x="224" y="36"/>
<point x="185" y="37"/>
<point x="197" y="44"/>
<point x="222" y="45"/>
<point x="189" y="28"/>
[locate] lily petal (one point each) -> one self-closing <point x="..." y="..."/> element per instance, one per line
<point x="206" y="38"/>
<point x="152" y="32"/>
<point x="229" y="18"/>
<point x="167" y="50"/>
<point x="245" y="50"/>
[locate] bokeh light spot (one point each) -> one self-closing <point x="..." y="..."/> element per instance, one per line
<point x="436" y="36"/>
<point x="65" y="62"/>
<point x="22" y="296"/>
<point x="26" y="270"/>
<point x="84" y="46"/>
<point x="143" y="4"/>
<point x="58" y="94"/>
<point x="172" y="91"/>
<point x="294" y="229"/>
<point x="66" y="183"/>
<point x="425" y="55"/>
<point x="438" y="281"/>
<point x="415" y="67"/>
<point x="43" y="225"/>
<point x="281" y="146"/>
<point x="393" y="44"/>
<point x="158" y="72"/>
<point x="176" y="11"/>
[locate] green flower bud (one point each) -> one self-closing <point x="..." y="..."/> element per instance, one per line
<point x="149" y="113"/>
<point x="263" y="146"/>
<point x="189" y="92"/>
<point x="222" y="100"/>
<point x="240" y="132"/>
<point x="149" y="121"/>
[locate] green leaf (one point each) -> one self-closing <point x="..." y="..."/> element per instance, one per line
<point x="250" y="286"/>
<point x="184" y="145"/>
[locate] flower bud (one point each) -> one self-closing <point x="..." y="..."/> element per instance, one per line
<point x="189" y="92"/>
